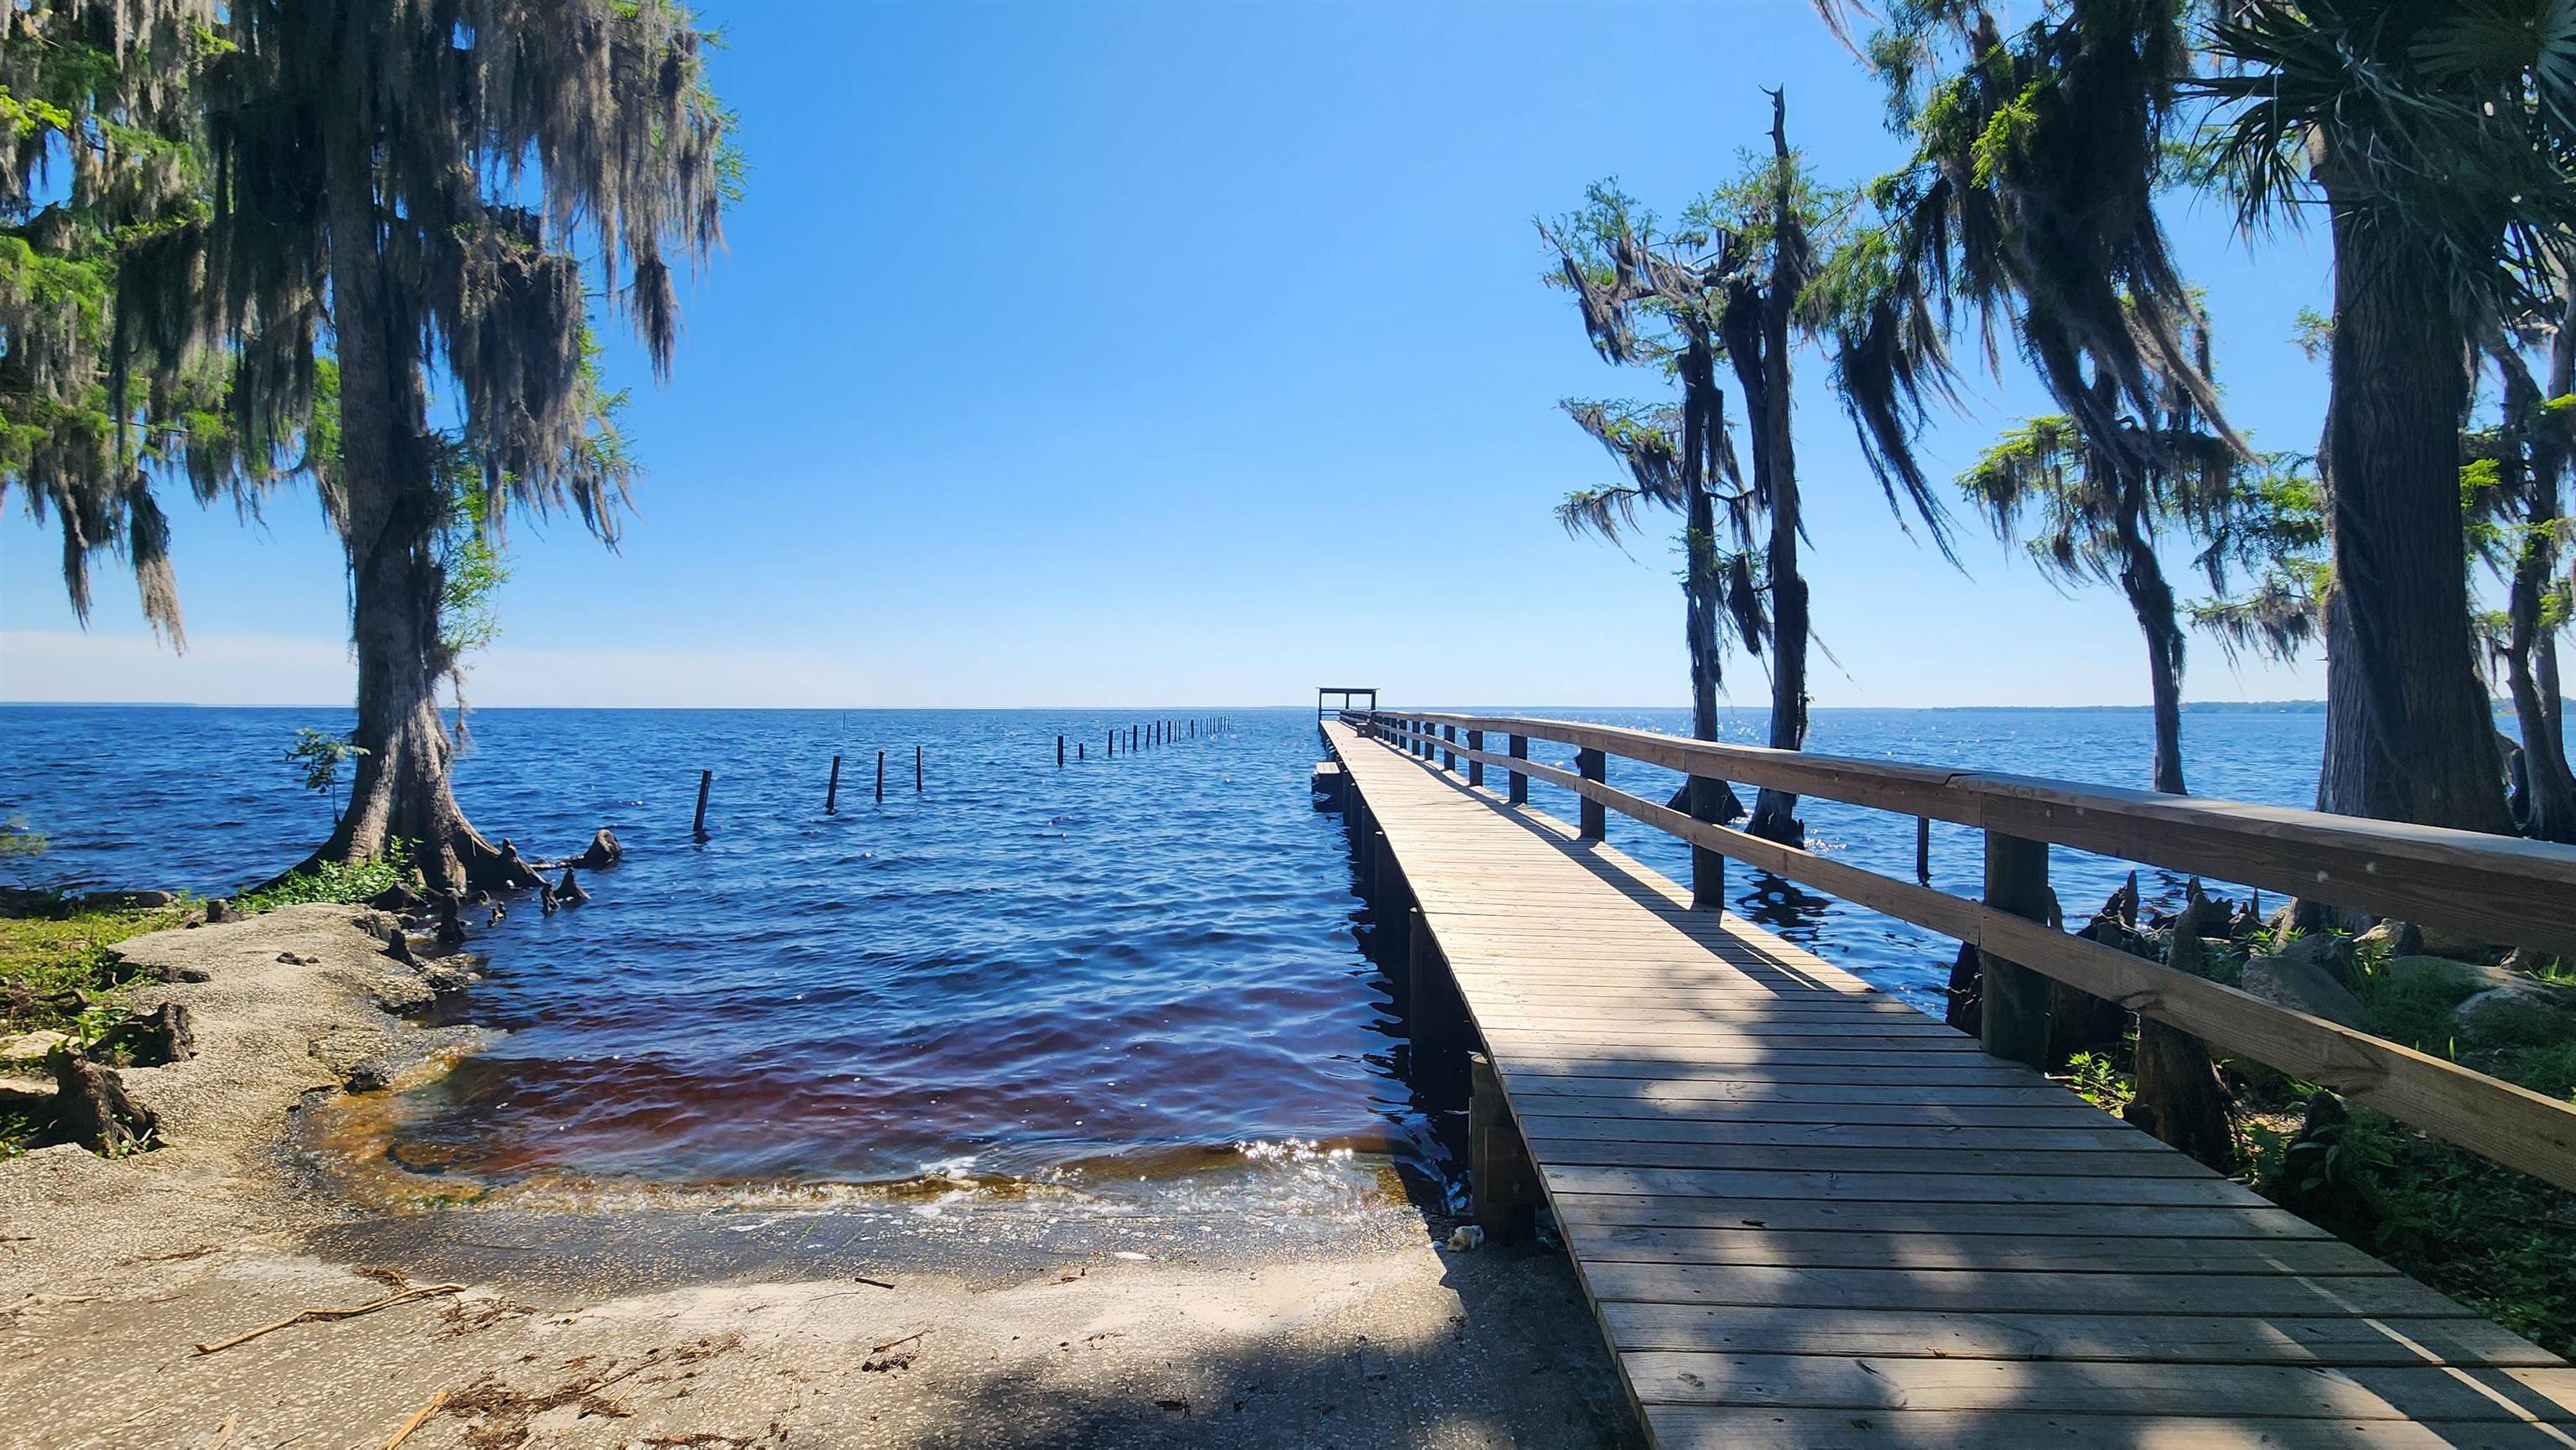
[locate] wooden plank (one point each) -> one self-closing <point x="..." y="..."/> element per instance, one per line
<point x="2202" y="1221"/>
<point x="1901" y="1054"/>
<point x="1874" y="1249"/>
<point x="2136" y="1161"/>
<point x="1718" y="1040"/>
<point x="1939" y="1075"/>
<point x="1966" y="1292"/>
<point x="1613" y="1113"/>
<point x="1893" y="1187"/>
<point x="2102" y="1134"/>
<point x="1707" y="1427"/>
<point x="2212" y="1390"/>
<point x="2015" y="1091"/>
<point x="2145" y="1338"/>
<point x="1642" y="1025"/>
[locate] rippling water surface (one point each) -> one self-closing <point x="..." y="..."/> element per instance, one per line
<point x="1122" y="966"/>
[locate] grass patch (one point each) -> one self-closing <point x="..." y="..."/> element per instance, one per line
<point x="52" y="961"/>
<point x="2415" y="1011"/>
<point x="48" y="955"/>
<point x="336" y="881"/>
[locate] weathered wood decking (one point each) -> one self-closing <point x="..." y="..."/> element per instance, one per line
<point x="1809" y="1216"/>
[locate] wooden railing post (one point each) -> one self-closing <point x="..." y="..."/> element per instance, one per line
<point x="1500" y="1179"/>
<point x="1476" y="768"/>
<point x="2012" y="1013"/>
<point x="1449" y="750"/>
<point x="1520" y="782"/>
<point x="1592" y="765"/>
<point x="1708" y="868"/>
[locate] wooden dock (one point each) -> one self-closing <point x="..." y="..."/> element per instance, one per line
<point x="1809" y="1216"/>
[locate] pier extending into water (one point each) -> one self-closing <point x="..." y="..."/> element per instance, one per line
<point x="1809" y="1216"/>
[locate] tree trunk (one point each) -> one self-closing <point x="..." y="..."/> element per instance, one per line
<point x="1775" y="462"/>
<point x="2425" y="751"/>
<point x="2530" y="649"/>
<point x="2151" y="599"/>
<point x="1700" y="416"/>
<point x="394" y="508"/>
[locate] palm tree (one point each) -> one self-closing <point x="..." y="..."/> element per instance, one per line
<point x="2439" y="139"/>
<point x="391" y="188"/>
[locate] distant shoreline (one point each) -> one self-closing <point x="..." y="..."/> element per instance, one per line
<point x="2191" y="707"/>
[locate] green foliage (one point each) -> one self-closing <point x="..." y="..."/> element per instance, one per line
<point x="2416" y="1011"/>
<point x="338" y="881"/>
<point x="51" y="953"/>
<point x="2097" y="1079"/>
<point x="2448" y="128"/>
<point x="2273" y="527"/>
<point x="322" y="754"/>
<point x="2548" y="1068"/>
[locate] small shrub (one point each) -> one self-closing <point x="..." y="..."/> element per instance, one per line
<point x="336" y="881"/>
<point x="2098" y="1080"/>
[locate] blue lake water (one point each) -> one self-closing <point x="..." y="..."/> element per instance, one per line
<point x="1017" y="970"/>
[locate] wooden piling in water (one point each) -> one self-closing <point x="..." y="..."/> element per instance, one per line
<point x="916" y="770"/>
<point x="880" y="777"/>
<point x="698" y="827"/>
<point x="832" y="792"/>
<point x="1059" y="752"/>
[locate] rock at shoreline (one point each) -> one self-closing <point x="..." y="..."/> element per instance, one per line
<point x="2532" y="1016"/>
<point x="2327" y="952"/>
<point x="602" y="852"/>
<point x="2400" y="938"/>
<point x="27" y="1046"/>
<point x="569" y="892"/>
<point x="125" y="900"/>
<point x="2301" y="986"/>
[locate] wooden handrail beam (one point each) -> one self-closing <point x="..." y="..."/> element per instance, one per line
<point x="2509" y="889"/>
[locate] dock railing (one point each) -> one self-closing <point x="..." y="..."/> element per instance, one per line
<point x="2493" y="888"/>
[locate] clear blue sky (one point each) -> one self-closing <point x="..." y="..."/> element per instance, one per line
<point x="1162" y="353"/>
